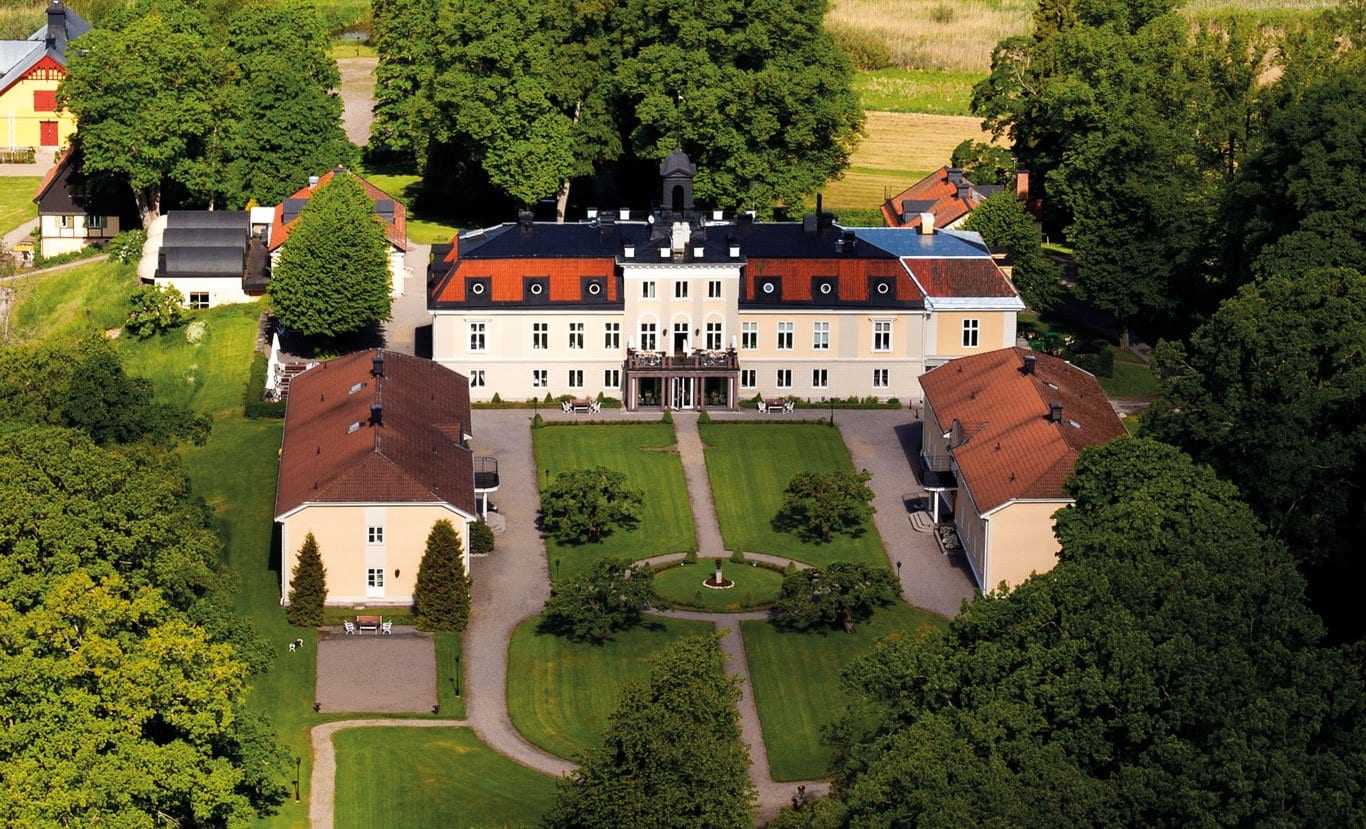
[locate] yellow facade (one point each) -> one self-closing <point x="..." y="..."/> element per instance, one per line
<point x="1022" y="541"/>
<point x="952" y="337"/>
<point x="344" y="536"/>
<point x="23" y="124"/>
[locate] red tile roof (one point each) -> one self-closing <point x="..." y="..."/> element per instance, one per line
<point x="507" y="285"/>
<point x="960" y="277"/>
<point x="853" y="274"/>
<point x="1010" y="449"/>
<point x="396" y="231"/>
<point x="940" y="192"/>
<point x="416" y="454"/>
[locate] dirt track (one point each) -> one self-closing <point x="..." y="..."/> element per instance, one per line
<point x="358" y="96"/>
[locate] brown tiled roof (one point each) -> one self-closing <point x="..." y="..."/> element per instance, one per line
<point x="939" y="192"/>
<point x="396" y="231"/>
<point x="416" y="454"/>
<point x="961" y="277"/>
<point x="1010" y="450"/>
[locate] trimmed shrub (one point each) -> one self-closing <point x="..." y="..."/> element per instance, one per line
<point x="481" y="539"/>
<point x="668" y="417"/>
<point x="537" y="422"/>
<point x="690" y="557"/>
<point x="737" y="557"/>
<point x="704" y="417"/>
<point x="441" y="600"/>
<point x="254" y="402"/>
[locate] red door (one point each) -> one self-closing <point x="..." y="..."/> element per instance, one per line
<point x="47" y="133"/>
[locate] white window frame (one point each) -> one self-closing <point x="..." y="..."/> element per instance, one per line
<point x="882" y="335"/>
<point x="820" y="336"/>
<point x="93" y="222"/>
<point x="784" y="378"/>
<point x="681" y="289"/>
<point x="715" y="336"/>
<point x="611" y="378"/>
<point x="576" y="378"/>
<point x="374" y="534"/>
<point x="647" y="289"/>
<point x="820" y="378"/>
<point x="540" y="378"/>
<point x="611" y="336"/>
<point x="540" y="336"/>
<point x="972" y="332"/>
<point x="66" y="222"/>
<point x="881" y="379"/>
<point x="477" y="378"/>
<point x="478" y="335"/>
<point x="576" y="336"/>
<point x="787" y="334"/>
<point x="374" y="577"/>
<point x="749" y="335"/>
<point x="649" y="330"/>
<point x="198" y="300"/>
<point x="713" y="289"/>
<point x="748" y="378"/>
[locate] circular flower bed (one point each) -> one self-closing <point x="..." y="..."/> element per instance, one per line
<point x="752" y="588"/>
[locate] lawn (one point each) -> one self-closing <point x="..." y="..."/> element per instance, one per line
<point x="929" y="91"/>
<point x="645" y="452"/>
<point x="424" y="229"/>
<point x="561" y="692"/>
<point x="796" y="683"/>
<point x="16" y="200"/>
<point x="432" y="777"/>
<point x="1131" y="378"/>
<point x="750" y="464"/>
<point x="92" y="296"/>
<point x="753" y="586"/>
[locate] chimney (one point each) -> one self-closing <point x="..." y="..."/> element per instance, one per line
<point x="628" y="250"/>
<point x="55" y="37"/>
<point x="1055" y="413"/>
<point x="963" y="189"/>
<point x="625" y="214"/>
<point x="1029" y="362"/>
<point x="524" y="220"/>
<point x="926" y="224"/>
<point x="955" y="174"/>
<point x="818" y="204"/>
<point x="377" y="364"/>
<point x="376" y="414"/>
<point x="312" y="182"/>
<point x="1022" y="184"/>
<point x="592" y="212"/>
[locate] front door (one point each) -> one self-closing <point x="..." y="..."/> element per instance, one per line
<point x="680" y="338"/>
<point x="47" y="133"/>
<point x="682" y="392"/>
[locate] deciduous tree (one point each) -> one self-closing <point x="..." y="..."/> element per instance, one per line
<point x="584" y="505"/>
<point x="984" y="163"/>
<point x="333" y="275"/>
<point x="836" y="596"/>
<point x="441" y="600"/>
<point x="307" y="586"/>
<point x="1003" y="222"/>
<point x="672" y="755"/>
<point x="105" y="403"/>
<point x="816" y="505"/>
<point x="610" y="597"/>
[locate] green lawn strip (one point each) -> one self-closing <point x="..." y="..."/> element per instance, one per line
<point x="753" y="586"/>
<point x="91" y="296"/>
<point x="432" y="777"/>
<point x="16" y="201"/>
<point x="750" y="464"/>
<point x="207" y="375"/>
<point x="447" y="657"/>
<point x="561" y="692"/>
<point x="796" y="683"/>
<point x="931" y="91"/>
<point x="644" y="451"/>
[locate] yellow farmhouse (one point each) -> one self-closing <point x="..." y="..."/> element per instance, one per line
<point x="374" y="453"/>
<point x="30" y="71"/>
<point x="1002" y="433"/>
<point x="682" y="308"/>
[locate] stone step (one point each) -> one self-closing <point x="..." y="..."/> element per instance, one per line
<point x="921" y="521"/>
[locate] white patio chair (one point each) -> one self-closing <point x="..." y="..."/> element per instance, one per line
<point x="567" y="406"/>
<point x="595" y="406"/>
<point x="386" y="628"/>
<point x="789" y="406"/>
<point x="349" y="627"/>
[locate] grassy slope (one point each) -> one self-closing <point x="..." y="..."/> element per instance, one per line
<point x="644" y="451"/>
<point x="91" y="296"/>
<point x="16" y="201"/>
<point x="753" y="585"/>
<point x="796" y="683"/>
<point x="419" y="777"/>
<point x="560" y="692"/>
<point x="750" y="464"/>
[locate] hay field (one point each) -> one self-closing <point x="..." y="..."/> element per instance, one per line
<point x="899" y="150"/>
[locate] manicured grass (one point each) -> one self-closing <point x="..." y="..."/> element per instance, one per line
<point x="931" y="91"/>
<point x="753" y="586"/>
<point x="432" y="777"/>
<point x="560" y="693"/>
<point x="16" y="201"/>
<point x="750" y="464"/>
<point x="208" y="375"/>
<point x="342" y="49"/>
<point x="92" y="296"/>
<point x="423" y="229"/>
<point x="645" y="452"/>
<point x="452" y="705"/>
<point x="796" y="683"/>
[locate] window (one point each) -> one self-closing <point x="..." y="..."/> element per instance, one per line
<point x="970" y="331"/>
<point x="94" y="222"/>
<point x="64" y="221"/>
<point x="477" y="379"/>
<point x="374" y="577"/>
<point x="747" y="378"/>
<point x="611" y="378"/>
<point x="199" y="299"/>
<point x="882" y="335"/>
<point x="576" y="336"/>
<point x="374" y="535"/>
<point x="820" y="378"/>
<point x="713" y="336"/>
<point x="680" y="290"/>
<point x="540" y="378"/>
<point x="820" y="336"/>
<point x="785" y="330"/>
<point x="880" y="378"/>
<point x="478" y="336"/>
<point x="44" y="100"/>
<point x="784" y="378"/>
<point x="714" y="289"/>
<point x="647" y="289"/>
<point x="611" y="337"/>
<point x="647" y="336"/>
<point x="576" y="378"/>
<point x="749" y="335"/>
<point x="540" y="335"/>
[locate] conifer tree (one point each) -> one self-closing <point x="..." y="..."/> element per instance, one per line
<point x="307" y="586"/>
<point x="441" y="600"/>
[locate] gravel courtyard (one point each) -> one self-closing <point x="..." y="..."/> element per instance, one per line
<point x="366" y="673"/>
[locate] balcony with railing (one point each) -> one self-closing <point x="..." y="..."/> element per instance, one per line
<point x="698" y="361"/>
<point x="485" y="475"/>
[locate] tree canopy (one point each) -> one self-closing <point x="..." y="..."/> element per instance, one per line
<point x="584" y="505"/>
<point x="1003" y="222"/>
<point x="333" y="275"/>
<point x="307" y="586"/>
<point x="608" y="598"/>
<point x="816" y="505"/>
<point x="671" y="754"/>
<point x="820" y="598"/>
<point x="441" y="600"/>
<point x="1167" y="671"/>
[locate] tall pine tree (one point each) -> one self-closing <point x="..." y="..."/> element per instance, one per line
<point x="307" y="586"/>
<point x="441" y="600"/>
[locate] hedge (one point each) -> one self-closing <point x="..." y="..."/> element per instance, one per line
<point x="254" y="402"/>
